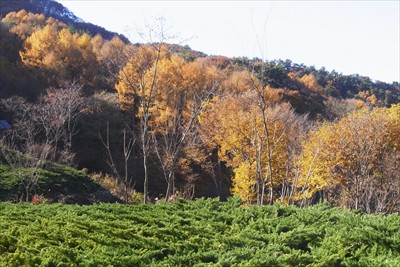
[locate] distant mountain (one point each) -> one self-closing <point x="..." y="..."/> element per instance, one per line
<point x="51" y="8"/>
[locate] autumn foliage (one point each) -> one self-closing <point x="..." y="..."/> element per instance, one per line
<point x="266" y="131"/>
<point x="355" y="161"/>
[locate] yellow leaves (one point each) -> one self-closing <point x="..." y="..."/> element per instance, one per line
<point x="137" y="75"/>
<point x="235" y="125"/>
<point x="169" y="75"/>
<point x="65" y="38"/>
<point x="59" y="53"/>
<point x="273" y="96"/>
<point x="244" y="83"/>
<point x="50" y="60"/>
<point x="244" y="182"/>
<point x="109" y="52"/>
<point x="310" y="82"/>
<point x="198" y="75"/>
<point x="338" y="153"/>
<point x="39" y="45"/>
<point x="142" y="74"/>
<point x="97" y="44"/>
<point x="21" y="14"/>
<point x="175" y="83"/>
<point x="392" y="115"/>
<point x="318" y="157"/>
<point x="230" y="124"/>
<point x="366" y="96"/>
<point x="307" y="82"/>
<point x="84" y="41"/>
<point x="239" y="82"/>
<point x="373" y="100"/>
<point x="24" y="24"/>
<point x="359" y="104"/>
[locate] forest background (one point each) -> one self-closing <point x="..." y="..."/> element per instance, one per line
<point x="170" y="122"/>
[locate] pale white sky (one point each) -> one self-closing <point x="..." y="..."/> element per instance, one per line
<point x="349" y="36"/>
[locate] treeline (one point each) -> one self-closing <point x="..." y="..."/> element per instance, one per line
<point x="332" y="83"/>
<point x="171" y="122"/>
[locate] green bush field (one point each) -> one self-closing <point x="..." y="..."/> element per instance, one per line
<point x="204" y="232"/>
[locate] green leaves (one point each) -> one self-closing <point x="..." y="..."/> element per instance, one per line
<point x="198" y="233"/>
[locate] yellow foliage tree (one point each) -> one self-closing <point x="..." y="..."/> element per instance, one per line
<point x="61" y="53"/>
<point x="167" y="94"/>
<point x="355" y="160"/>
<point x="235" y="125"/>
<point x="137" y="77"/>
<point x="310" y="82"/>
<point x="23" y="23"/>
<point x="39" y="47"/>
<point x="244" y="182"/>
<point x="186" y="88"/>
<point x="137" y="87"/>
<point x="239" y="82"/>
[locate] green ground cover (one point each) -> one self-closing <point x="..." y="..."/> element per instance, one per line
<point x="198" y="233"/>
<point x="56" y="182"/>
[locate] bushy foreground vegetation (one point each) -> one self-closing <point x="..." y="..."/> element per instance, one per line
<point x="199" y="233"/>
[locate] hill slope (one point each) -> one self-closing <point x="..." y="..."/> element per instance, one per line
<point x="57" y="183"/>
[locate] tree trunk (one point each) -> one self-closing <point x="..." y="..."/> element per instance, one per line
<point x="27" y="193"/>
<point x="269" y="177"/>
<point x="169" y="186"/>
<point x="146" y="176"/>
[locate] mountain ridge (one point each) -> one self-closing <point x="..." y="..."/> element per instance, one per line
<point x="51" y="8"/>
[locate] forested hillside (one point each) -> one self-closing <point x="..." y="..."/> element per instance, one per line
<point x="170" y="122"/>
<point x="51" y="8"/>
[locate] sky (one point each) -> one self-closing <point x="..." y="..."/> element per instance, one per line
<point x="351" y="37"/>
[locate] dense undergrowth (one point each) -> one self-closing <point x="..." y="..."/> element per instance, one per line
<point x="198" y="233"/>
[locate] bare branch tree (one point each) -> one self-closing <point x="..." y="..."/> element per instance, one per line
<point x="128" y="147"/>
<point x="51" y="121"/>
<point x="26" y="166"/>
